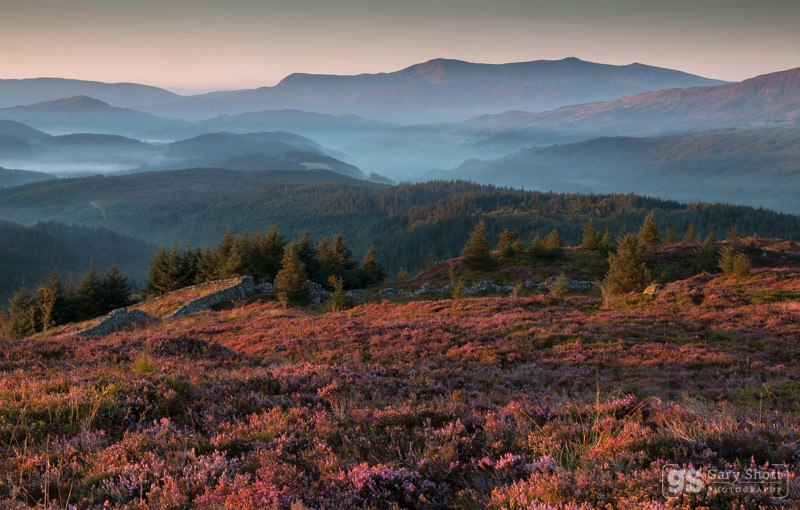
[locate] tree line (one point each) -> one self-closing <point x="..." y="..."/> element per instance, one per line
<point x="55" y="302"/>
<point x="267" y="257"/>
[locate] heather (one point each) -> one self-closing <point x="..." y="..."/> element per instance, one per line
<point x="526" y="401"/>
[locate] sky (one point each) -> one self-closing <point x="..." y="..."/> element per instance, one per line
<point x="201" y="45"/>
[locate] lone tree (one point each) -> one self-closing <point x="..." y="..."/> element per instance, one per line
<point x="648" y="234"/>
<point x="477" y="254"/>
<point x="292" y="279"/>
<point x="626" y="271"/>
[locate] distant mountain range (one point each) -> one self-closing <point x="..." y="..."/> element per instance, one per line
<point x="442" y="90"/>
<point x="434" y="91"/>
<point x="764" y="101"/>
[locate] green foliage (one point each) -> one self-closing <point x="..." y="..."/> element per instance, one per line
<point x="458" y="291"/>
<point x="372" y="270"/>
<point x="339" y="299"/>
<point x="477" y="253"/>
<point x="732" y="262"/>
<point x="627" y="271"/>
<point x="507" y="239"/>
<point x="733" y="235"/>
<point x="606" y="246"/>
<point x="90" y="294"/>
<point x="114" y="289"/>
<point x="648" y="234"/>
<point x="691" y="235"/>
<point x="671" y="236"/>
<point x="591" y="238"/>
<point x="703" y="261"/>
<point x="401" y="276"/>
<point x="559" y="287"/>
<point x="292" y="279"/>
<point x="171" y="270"/>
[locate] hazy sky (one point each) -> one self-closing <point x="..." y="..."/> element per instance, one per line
<point x="208" y="44"/>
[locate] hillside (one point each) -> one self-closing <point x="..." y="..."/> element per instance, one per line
<point x="442" y="90"/>
<point x="760" y="168"/>
<point x="487" y="402"/>
<point x="405" y="222"/>
<point x="38" y="249"/>
<point x="9" y="178"/>
<point x="763" y="101"/>
<point x="83" y="114"/>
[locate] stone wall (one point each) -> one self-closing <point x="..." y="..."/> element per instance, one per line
<point x="239" y="290"/>
<point x="115" y="320"/>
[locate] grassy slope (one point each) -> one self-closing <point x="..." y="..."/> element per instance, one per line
<point x="473" y="403"/>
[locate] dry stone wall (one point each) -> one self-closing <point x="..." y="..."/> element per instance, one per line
<point x="115" y="320"/>
<point x="239" y="289"/>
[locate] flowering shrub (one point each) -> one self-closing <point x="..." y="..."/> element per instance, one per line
<point x="489" y="402"/>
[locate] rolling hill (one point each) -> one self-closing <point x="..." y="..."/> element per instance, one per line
<point x="37" y="249"/>
<point x="10" y="178"/>
<point x="404" y="222"/>
<point x="83" y="114"/>
<point x="37" y="90"/>
<point x="760" y="168"/>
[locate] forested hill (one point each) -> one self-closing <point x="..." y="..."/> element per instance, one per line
<point x="35" y="251"/>
<point x="405" y="222"/>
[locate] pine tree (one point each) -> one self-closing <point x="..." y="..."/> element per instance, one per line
<point x="171" y="270"/>
<point x="648" y="234"/>
<point x="292" y="279"/>
<point x="339" y="299"/>
<point x="52" y="301"/>
<point x="591" y="238"/>
<point x="733" y="235"/>
<point x="703" y="261"/>
<point x="691" y="235"/>
<point x="606" y="246"/>
<point x="732" y="262"/>
<point x="538" y="249"/>
<point x="23" y="313"/>
<point x="269" y="248"/>
<point x="553" y="244"/>
<point x="476" y="253"/>
<point x="342" y="257"/>
<point x="671" y="236"/>
<point x="627" y="271"/>
<point x="90" y="297"/>
<point x="553" y="240"/>
<point x="372" y="268"/>
<point x="308" y="256"/>
<point x="114" y="289"/>
<point x="206" y="266"/>
<point x="507" y="238"/>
